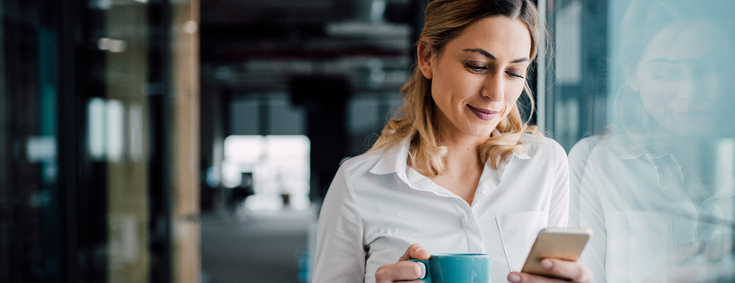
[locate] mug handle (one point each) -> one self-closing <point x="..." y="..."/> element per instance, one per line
<point x="425" y="267"/>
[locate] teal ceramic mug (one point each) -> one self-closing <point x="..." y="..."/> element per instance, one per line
<point x="456" y="268"/>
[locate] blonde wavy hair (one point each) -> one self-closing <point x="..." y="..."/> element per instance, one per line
<point x="445" y="20"/>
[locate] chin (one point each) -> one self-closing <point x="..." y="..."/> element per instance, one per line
<point x="479" y="129"/>
<point x="482" y="133"/>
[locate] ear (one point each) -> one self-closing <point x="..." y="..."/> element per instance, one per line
<point x="426" y="59"/>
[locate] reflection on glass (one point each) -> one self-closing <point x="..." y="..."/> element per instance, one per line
<point x="657" y="188"/>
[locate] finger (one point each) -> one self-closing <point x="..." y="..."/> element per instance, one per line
<point x="519" y="277"/>
<point x="719" y="250"/>
<point x="415" y="251"/>
<point x="687" y="274"/>
<point x="574" y="270"/>
<point x="708" y="272"/>
<point x="399" y="271"/>
<point x="685" y="252"/>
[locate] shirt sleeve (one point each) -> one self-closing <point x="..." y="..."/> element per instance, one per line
<point x="592" y="216"/>
<point x="340" y="253"/>
<point x="578" y="157"/>
<point x="559" y="208"/>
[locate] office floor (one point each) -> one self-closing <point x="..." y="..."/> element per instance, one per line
<point x="263" y="247"/>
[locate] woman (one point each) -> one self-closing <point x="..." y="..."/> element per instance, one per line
<point x="658" y="191"/>
<point x="459" y="171"/>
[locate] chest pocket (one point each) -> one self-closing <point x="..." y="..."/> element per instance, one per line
<point x="518" y="232"/>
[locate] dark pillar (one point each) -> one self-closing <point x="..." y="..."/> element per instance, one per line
<point x="325" y="98"/>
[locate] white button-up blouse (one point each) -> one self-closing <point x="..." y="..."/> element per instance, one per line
<point x="641" y="209"/>
<point x="377" y="206"/>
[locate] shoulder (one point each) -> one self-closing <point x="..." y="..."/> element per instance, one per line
<point x="352" y="172"/>
<point x="541" y="146"/>
<point x="581" y="151"/>
<point x="586" y="144"/>
<point x="612" y="147"/>
<point x="359" y="174"/>
<point x="364" y="167"/>
<point x="361" y="163"/>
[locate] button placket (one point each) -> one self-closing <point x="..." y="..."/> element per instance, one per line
<point x="475" y="242"/>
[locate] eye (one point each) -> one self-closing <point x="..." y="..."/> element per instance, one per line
<point x="668" y="73"/>
<point x="475" y="68"/>
<point x="515" y="75"/>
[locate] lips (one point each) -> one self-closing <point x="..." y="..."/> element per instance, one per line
<point x="483" y="114"/>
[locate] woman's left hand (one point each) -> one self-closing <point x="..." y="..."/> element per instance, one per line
<point x="574" y="270"/>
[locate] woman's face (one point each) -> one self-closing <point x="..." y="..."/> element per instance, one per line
<point x="685" y="78"/>
<point x="478" y="77"/>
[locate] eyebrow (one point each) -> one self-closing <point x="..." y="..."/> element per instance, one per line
<point x="488" y="55"/>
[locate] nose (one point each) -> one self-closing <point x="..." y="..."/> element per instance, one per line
<point x="492" y="87"/>
<point x="698" y="88"/>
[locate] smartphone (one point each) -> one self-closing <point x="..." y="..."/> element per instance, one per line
<point x="560" y="243"/>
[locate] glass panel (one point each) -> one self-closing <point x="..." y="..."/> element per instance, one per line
<point x="87" y="192"/>
<point x="644" y="95"/>
<point x="125" y="135"/>
<point x="30" y="221"/>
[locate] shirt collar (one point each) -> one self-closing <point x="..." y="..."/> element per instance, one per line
<point x="491" y="178"/>
<point x="638" y="152"/>
<point x="650" y="148"/>
<point x="392" y="159"/>
<point x="522" y="155"/>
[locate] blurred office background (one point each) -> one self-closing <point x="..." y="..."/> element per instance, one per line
<point x="193" y="140"/>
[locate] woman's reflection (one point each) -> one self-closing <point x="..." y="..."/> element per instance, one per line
<point x="658" y="187"/>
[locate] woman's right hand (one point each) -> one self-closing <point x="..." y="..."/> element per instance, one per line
<point x="715" y="264"/>
<point x="403" y="270"/>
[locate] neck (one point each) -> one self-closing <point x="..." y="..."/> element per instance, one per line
<point x="461" y="157"/>
<point x="462" y="149"/>
<point x="464" y="166"/>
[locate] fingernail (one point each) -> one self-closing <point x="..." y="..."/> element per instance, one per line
<point x="514" y="278"/>
<point x="546" y="264"/>
<point x="418" y="249"/>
